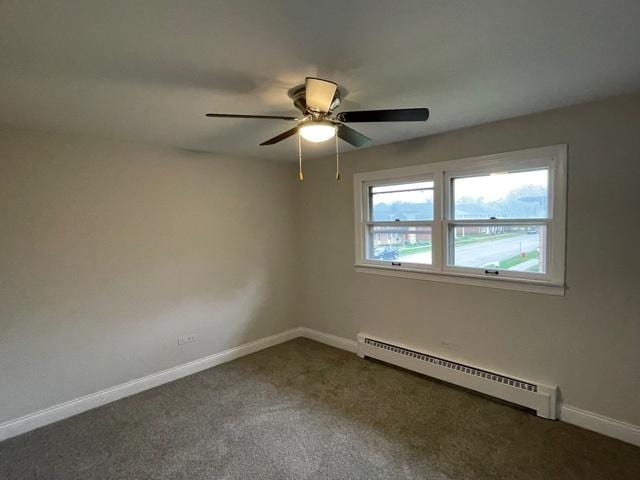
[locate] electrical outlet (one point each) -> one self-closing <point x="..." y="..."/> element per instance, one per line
<point x="186" y="339"/>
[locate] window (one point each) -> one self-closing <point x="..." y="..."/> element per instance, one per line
<point x="497" y="220"/>
<point x="399" y="222"/>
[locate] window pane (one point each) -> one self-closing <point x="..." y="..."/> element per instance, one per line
<point x="500" y="247"/>
<point x="505" y="195"/>
<point x="409" y="201"/>
<point x="400" y="244"/>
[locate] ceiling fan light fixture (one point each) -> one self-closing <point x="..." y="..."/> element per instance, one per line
<point x="316" y="132"/>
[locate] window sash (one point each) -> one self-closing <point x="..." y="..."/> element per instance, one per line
<point x="495" y="167"/>
<point x="398" y="262"/>
<point x="366" y="195"/>
<point x="367" y="224"/>
<point x="408" y="223"/>
<point x="488" y="171"/>
<point x="449" y="266"/>
<point x="449" y="222"/>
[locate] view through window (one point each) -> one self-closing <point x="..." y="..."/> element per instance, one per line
<point x="400" y="228"/>
<point x="495" y="199"/>
<point x="497" y="217"/>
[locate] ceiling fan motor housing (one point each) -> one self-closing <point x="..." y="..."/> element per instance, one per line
<point x="298" y="95"/>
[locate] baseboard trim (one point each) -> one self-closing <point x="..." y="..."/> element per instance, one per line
<point x="67" y="409"/>
<point x="328" y="339"/>
<point x="626" y="432"/>
<point x="610" y="427"/>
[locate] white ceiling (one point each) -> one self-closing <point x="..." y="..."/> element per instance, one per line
<point x="148" y="70"/>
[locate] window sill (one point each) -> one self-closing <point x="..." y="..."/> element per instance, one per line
<point x="500" y="283"/>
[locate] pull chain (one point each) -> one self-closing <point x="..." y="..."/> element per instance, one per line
<point x="300" y="174"/>
<point x="337" y="160"/>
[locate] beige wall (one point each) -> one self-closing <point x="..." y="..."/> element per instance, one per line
<point x="110" y="251"/>
<point x="587" y="342"/>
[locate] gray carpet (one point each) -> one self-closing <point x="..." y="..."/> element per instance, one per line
<point x="302" y="410"/>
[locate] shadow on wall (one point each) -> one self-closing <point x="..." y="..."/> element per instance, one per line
<point x="117" y="250"/>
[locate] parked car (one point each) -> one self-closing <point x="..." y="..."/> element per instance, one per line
<point x="385" y="252"/>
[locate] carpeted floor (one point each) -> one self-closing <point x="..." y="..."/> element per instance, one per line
<point x="302" y="410"/>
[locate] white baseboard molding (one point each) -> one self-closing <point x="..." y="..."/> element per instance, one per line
<point x="328" y="339"/>
<point x="610" y="427"/>
<point x="67" y="409"/>
<point x="576" y="416"/>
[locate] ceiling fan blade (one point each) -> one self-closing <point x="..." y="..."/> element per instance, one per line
<point x="319" y="94"/>
<point x="281" y="137"/>
<point x="397" y="115"/>
<point x="352" y="136"/>
<point x="263" y="117"/>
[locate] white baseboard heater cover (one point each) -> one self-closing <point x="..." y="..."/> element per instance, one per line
<point x="541" y="398"/>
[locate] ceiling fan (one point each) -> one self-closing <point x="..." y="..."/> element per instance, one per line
<point x="317" y="99"/>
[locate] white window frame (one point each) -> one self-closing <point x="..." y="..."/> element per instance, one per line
<point x="551" y="281"/>
<point x="369" y="223"/>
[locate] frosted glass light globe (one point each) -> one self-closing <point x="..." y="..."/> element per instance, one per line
<point x="317" y="131"/>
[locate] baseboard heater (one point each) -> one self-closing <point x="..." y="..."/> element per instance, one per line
<point x="541" y="398"/>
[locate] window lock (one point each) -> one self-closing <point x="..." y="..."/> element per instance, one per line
<point x="396" y="264"/>
<point x="491" y="272"/>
